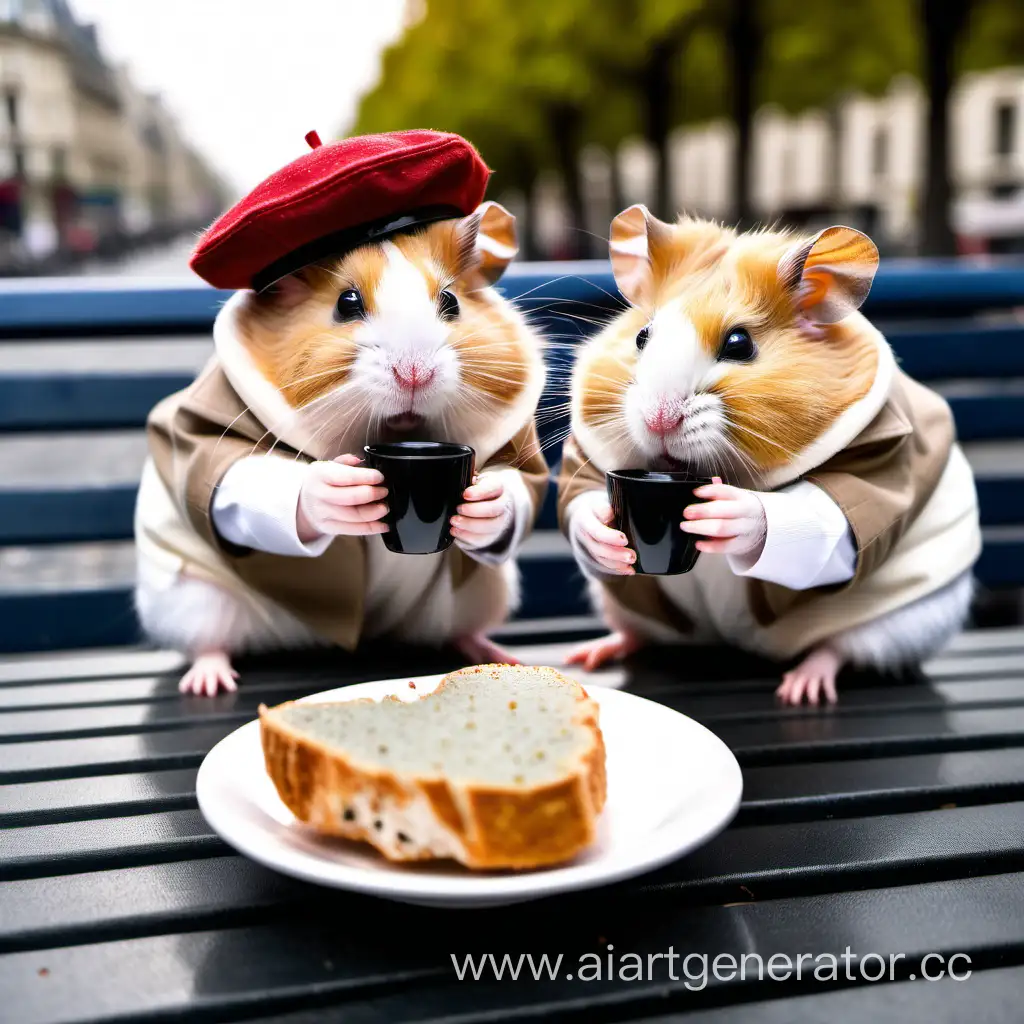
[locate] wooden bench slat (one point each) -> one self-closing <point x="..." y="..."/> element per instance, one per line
<point x="91" y="401"/>
<point x="105" y="617"/>
<point x="775" y="793"/>
<point x="85" y="514"/>
<point x="102" y="796"/>
<point x="106" y="512"/>
<point x="989" y="416"/>
<point x="968" y="349"/>
<point x="43" y="723"/>
<point x="1001" y="563"/>
<point x="310" y="959"/>
<point x="108" y="400"/>
<point x="986" y="995"/>
<point x="93" y="845"/>
<point x="803" y="858"/>
<point x="787" y="792"/>
<point x="775" y="741"/>
<point x="89" y="306"/>
<point x="45" y="620"/>
<point x="70" y="666"/>
<point x="552" y="586"/>
<point x="818" y="739"/>
<point x="65" y="759"/>
<point x="93" y="305"/>
<point x="806" y="849"/>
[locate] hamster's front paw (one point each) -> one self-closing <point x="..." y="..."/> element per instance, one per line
<point x="591" y="532"/>
<point x="485" y="515"/>
<point x="815" y="676"/>
<point x="342" y="497"/>
<point x="733" y="518"/>
<point x="208" y="675"/>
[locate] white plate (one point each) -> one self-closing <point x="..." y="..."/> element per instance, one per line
<point x="672" y="785"/>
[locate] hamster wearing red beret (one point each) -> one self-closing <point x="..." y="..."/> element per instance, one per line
<point x="258" y="526"/>
<point x="847" y="527"/>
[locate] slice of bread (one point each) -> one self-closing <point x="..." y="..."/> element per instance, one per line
<point x="500" y="767"/>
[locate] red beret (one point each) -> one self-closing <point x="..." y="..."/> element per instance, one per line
<point x="337" y="197"/>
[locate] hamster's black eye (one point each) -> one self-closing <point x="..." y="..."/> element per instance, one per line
<point x="642" y="338"/>
<point x="349" y="307"/>
<point x="738" y="346"/>
<point x="447" y="305"/>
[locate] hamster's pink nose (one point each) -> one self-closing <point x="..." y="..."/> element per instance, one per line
<point x="411" y="377"/>
<point x="661" y="421"/>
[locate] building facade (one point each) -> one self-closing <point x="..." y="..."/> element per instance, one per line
<point x="861" y="161"/>
<point x="88" y="163"/>
<point x="864" y="160"/>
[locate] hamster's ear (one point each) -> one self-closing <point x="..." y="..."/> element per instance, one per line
<point x="286" y="293"/>
<point x="487" y="238"/>
<point x="635" y="234"/>
<point x="831" y="274"/>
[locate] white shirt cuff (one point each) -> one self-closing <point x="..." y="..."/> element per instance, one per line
<point x="256" y="504"/>
<point x="581" y="503"/>
<point x="809" y="541"/>
<point x="521" y="505"/>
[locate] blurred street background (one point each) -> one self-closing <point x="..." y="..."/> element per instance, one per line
<point x="126" y="126"/>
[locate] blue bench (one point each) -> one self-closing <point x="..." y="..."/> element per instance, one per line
<point x="961" y="328"/>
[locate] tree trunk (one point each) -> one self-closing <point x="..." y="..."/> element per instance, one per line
<point x="564" y="125"/>
<point x="526" y="181"/>
<point x="744" y="41"/>
<point x="656" y="82"/>
<point x="618" y="193"/>
<point x="835" y="196"/>
<point x="528" y="241"/>
<point x="942" y="22"/>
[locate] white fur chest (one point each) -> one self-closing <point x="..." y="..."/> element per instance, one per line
<point x="715" y="599"/>
<point x="402" y="593"/>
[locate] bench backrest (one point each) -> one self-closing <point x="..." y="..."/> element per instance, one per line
<point x="955" y="326"/>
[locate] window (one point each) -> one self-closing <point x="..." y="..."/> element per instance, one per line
<point x="879" y="152"/>
<point x="1005" y="191"/>
<point x="1006" y="127"/>
<point x="10" y="10"/>
<point x="11" y="104"/>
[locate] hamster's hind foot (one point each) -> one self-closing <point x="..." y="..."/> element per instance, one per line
<point x="814" y="676"/>
<point x="613" y="647"/>
<point x="210" y="673"/>
<point x="481" y="651"/>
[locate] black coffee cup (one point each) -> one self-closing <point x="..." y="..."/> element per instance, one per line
<point x="425" y="481"/>
<point x="648" y="507"/>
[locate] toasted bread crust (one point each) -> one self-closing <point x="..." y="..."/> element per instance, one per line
<point x="414" y="818"/>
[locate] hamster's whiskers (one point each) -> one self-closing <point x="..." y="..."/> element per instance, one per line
<point x="767" y="440"/>
<point x="304" y="380"/>
<point x="341" y="425"/>
<point x="557" y="280"/>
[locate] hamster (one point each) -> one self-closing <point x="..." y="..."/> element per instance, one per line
<point x="256" y="522"/>
<point x="847" y="525"/>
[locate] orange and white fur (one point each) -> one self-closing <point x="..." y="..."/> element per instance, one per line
<point x="656" y="388"/>
<point x="394" y="340"/>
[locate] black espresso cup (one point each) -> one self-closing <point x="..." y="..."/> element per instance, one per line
<point x="648" y="507"/>
<point x="425" y="481"/>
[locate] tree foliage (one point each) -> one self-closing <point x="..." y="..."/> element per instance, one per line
<point x="533" y="81"/>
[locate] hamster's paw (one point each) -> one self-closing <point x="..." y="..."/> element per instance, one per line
<point x="481" y="651"/>
<point x="210" y="673"/>
<point x="613" y="647"/>
<point x="815" y="675"/>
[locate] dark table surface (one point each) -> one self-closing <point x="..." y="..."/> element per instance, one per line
<point x="892" y="825"/>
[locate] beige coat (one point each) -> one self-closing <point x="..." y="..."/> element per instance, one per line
<point x="907" y="491"/>
<point x="196" y="434"/>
